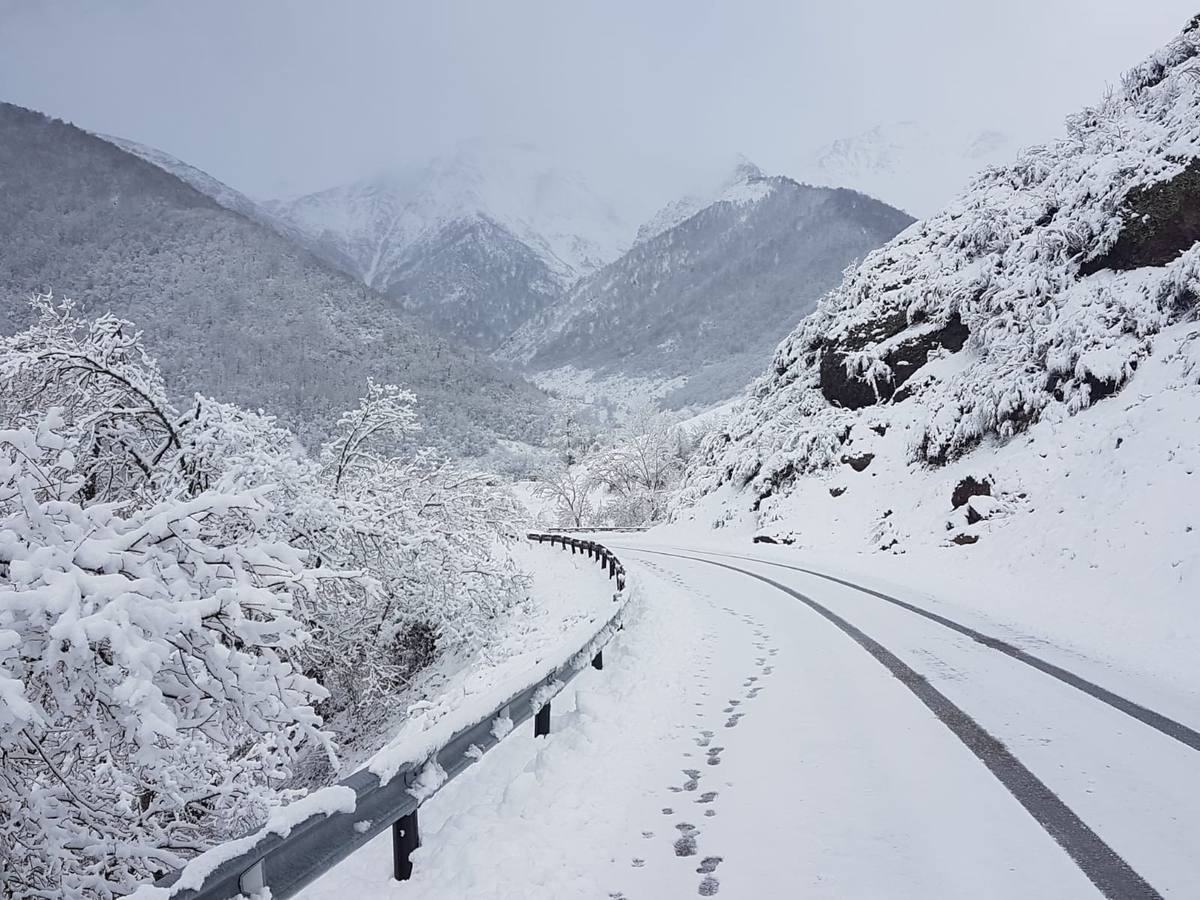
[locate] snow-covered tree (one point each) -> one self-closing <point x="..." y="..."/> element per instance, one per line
<point x="568" y="488"/>
<point x="641" y="468"/>
<point x="147" y="700"/>
<point x="184" y="594"/>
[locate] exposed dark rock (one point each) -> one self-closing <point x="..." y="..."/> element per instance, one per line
<point x="837" y="491"/>
<point x="764" y="539"/>
<point x="905" y="358"/>
<point x="1099" y="388"/>
<point x="970" y="487"/>
<point x="962" y="538"/>
<point x="972" y="515"/>
<point x="1159" y="223"/>
<point x="777" y="480"/>
<point x="859" y="462"/>
<point x="1047" y="217"/>
<point x="879" y="429"/>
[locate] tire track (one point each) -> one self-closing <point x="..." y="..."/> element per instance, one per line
<point x="1159" y="722"/>
<point x="1102" y="865"/>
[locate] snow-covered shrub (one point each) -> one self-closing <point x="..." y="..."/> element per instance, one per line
<point x="1044" y="282"/>
<point x="181" y="593"/>
<point x="147" y="700"/>
<point x="640" y="470"/>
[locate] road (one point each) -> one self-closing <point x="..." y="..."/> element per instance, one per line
<point x="762" y="731"/>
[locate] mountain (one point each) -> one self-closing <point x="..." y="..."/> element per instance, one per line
<point x="474" y="243"/>
<point x="1039" y="328"/>
<point x="744" y="183"/>
<point x="917" y="167"/>
<point x="229" y="307"/>
<point x="223" y="194"/>
<point x="692" y="311"/>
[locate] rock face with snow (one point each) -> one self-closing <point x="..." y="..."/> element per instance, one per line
<point x="1036" y="293"/>
<point x="230" y="308"/>
<point x="475" y="243"/>
<point x="914" y="166"/>
<point x="699" y="303"/>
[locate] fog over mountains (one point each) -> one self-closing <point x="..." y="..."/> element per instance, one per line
<point x="916" y="166"/>
<point x="493" y="247"/>
<point x="474" y="243"/>
<point x="230" y="307"/>
<point x="497" y="247"/>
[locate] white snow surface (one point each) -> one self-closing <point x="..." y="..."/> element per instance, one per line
<point x="381" y="223"/>
<point x="738" y="744"/>
<point x="1090" y="538"/>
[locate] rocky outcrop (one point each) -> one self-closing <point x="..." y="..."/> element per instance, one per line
<point x="904" y="357"/>
<point x="1158" y="223"/>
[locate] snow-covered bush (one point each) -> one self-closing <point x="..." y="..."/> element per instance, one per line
<point x="182" y="594"/>
<point x="640" y="469"/>
<point x="1044" y="283"/>
<point x="147" y="700"/>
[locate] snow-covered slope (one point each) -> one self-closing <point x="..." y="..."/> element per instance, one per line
<point x="1040" y="292"/>
<point x="475" y="241"/>
<point x="915" y="166"/>
<point x="690" y="314"/>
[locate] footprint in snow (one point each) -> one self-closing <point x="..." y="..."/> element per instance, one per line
<point x="685" y="845"/>
<point x="710" y="813"/>
<point x="693" y="781"/>
<point x="638" y="863"/>
<point x="707" y="797"/>
<point x="709" y="886"/>
<point x="709" y="864"/>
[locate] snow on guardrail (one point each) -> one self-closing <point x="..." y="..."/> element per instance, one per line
<point x="304" y="839"/>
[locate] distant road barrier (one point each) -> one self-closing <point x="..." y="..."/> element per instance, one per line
<point x="599" y="528"/>
<point x="292" y="851"/>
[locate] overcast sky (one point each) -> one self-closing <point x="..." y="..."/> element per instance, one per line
<point x="285" y="97"/>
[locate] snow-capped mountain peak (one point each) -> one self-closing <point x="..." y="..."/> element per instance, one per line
<point x="745" y="182"/>
<point x="377" y="223"/>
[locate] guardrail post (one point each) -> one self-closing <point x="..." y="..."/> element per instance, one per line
<point x="406" y="837"/>
<point x="252" y="881"/>
<point x="598" y="660"/>
<point x="541" y="721"/>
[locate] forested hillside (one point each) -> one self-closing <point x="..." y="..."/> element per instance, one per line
<point x="229" y="307"/>
<point x="702" y="303"/>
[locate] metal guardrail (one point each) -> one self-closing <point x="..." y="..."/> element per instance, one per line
<point x="599" y="528"/>
<point x="313" y="846"/>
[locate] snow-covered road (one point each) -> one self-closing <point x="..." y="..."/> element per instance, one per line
<point x="759" y="731"/>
